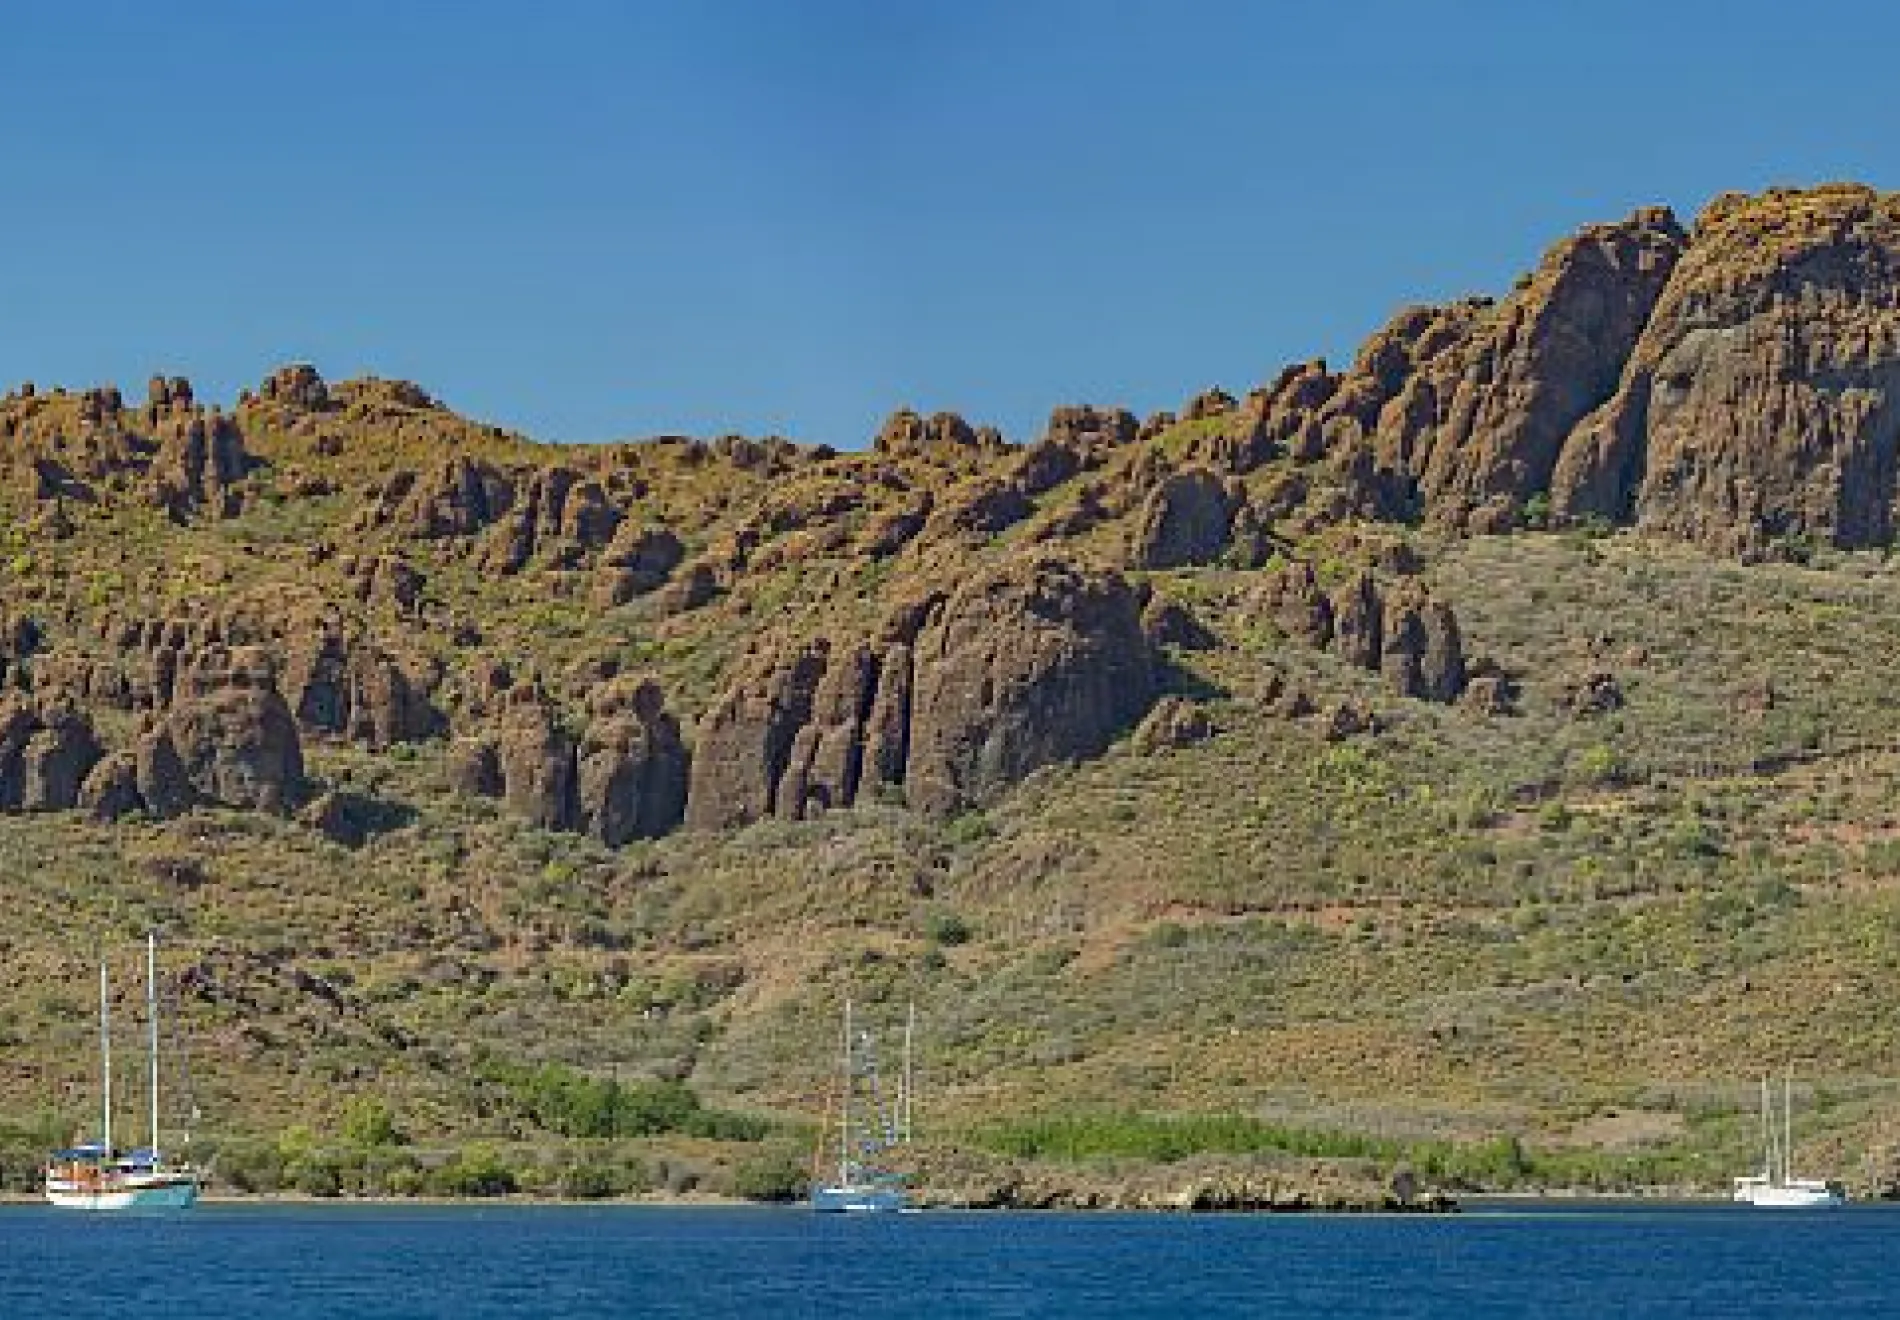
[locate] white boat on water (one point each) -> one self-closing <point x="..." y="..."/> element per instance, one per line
<point x="866" y="1129"/>
<point x="1776" y="1186"/>
<point x="94" y="1175"/>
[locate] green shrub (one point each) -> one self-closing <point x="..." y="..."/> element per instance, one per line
<point x="475" y="1171"/>
<point x="774" y="1173"/>
<point x="947" y="928"/>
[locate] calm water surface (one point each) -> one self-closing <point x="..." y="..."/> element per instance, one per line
<point x="361" y="1262"/>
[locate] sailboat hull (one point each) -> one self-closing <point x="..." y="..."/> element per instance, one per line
<point x="164" y="1194"/>
<point x="1789" y="1197"/>
<point x="859" y="1200"/>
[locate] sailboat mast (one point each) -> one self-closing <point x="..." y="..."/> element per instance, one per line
<point x="105" y="1057"/>
<point x="844" y="1106"/>
<point x="1787" y="1119"/>
<point x="151" y="1021"/>
<point x="1769" y="1162"/>
<point x="910" y="1032"/>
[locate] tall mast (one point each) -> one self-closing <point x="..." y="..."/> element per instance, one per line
<point x="1787" y="1119"/>
<point x="151" y="1021"/>
<point x="844" y="1107"/>
<point x="105" y="1057"/>
<point x="910" y="1031"/>
<point x="1769" y="1162"/>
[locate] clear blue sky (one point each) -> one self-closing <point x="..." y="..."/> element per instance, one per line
<point x="594" y="220"/>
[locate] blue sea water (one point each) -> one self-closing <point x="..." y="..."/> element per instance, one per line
<point x="364" y="1262"/>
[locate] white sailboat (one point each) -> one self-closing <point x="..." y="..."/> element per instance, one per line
<point x="1776" y="1186"/>
<point x="863" y="1134"/>
<point x="96" y="1176"/>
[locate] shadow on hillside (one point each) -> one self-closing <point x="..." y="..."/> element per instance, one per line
<point x="1176" y="680"/>
<point x="352" y="819"/>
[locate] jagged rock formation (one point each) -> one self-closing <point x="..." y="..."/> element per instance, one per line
<point x="1184" y="522"/>
<point x="1730" y="385"/>
<point x="46" y="752"/>
<point x="233" y="734"/>
<point x="1760" y="403"/>
<point x="1463" y="409"/>
<point x="349" y="688"/>
<point x="1028" y="665"/>
<point x="624" y="778"/>
<point x="640" y="559"/>
<point x="173" y="454"/>
<point x="942" y="436"/>
<point x="1404" y="634"/>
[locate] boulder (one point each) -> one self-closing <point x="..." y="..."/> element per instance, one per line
<point x="1293" y="599"/>
<point x="1174" y="722"/>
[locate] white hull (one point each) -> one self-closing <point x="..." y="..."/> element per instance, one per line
<point x="178" y="1194"/>
<point x="859" y="1200"/>
<point x="1791" y="1197"/>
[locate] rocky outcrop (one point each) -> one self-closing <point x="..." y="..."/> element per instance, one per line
<point x="1026" y="665"/>
<point x="227" y="739"/>
<point x="1463" y="411"/>
<point x="1761" y="403"/>
<point x="536" y="758"/>
<point x="1296" y="603"/>
<point x="1174" y="722"/>
<point x="460" y="497"/>
<point x="1088" y="430"/>
<point x="474" y="767"/>
<point x="46" y="752"/>
<point x="622" y="778"/>
<point x="111" y="790"/>
<point x="387" y="580"/>
<point x="200" y="461"/>
<point x="1168" y="622"/>
<point x="1359" y="622"/>
<point x="234" y="736"/>
<point x="639" y="560"/>
<point x="1403" y="633"/>
<point x="942" y="437"/>
<point x="1490" y="428"/>
<point x="349" y="688"/>
<point x="297" y="387"/>
<point x="631" y="765"/>
<point x="558" y="516"/>
<point x="1033" y="664"/>
<point x="1184" y="522"/>
<point x="745" y="742"/>
<point x="162" y="777"/>
<point x="20" y="637"/>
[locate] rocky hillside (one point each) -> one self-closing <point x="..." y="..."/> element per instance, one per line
<point x="427" y="742"/>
